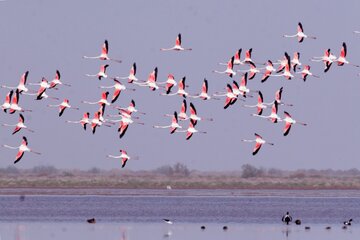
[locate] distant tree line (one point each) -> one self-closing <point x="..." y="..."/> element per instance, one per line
<point x="181" y="170"/>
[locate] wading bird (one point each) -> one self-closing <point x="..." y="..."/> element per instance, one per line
<point x="124" y="157"/>
<point x="101" y="74"/>
<point x="174" y="124"/>
<point x="84" y="121"/>
<point x="20" y="125"/>
<point x="289" y="122"/>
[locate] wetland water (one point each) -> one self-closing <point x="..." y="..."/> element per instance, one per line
<point x="254" y="214"/>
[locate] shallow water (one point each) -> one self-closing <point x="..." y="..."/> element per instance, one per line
<point x="248" y="214"/>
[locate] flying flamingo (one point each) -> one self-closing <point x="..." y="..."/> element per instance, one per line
<point x="170" y="83"/>
<point x="306" y="72"/>
<point x="84" y="121"/>
<point x="124" y="123"/>
<point x="300" y="34"/>
<point x="287" y="74"/>
<point x="342" y="58"/>
<point x="230" y="96"/>
<point x="21" y="86"/>
<point x="268" y="70"/>
<point x="273" y="117"/>
<point x="174" y="124"/>
<point x="22" y="148"/>
<point x="259" y="141"/>
<point x="295" y="61"/>
<point x="101" y="74"/>
<point x="278" y="95"/>
<point x="14" y="104"/>
<point x="244" y="91"/>
<point x="285" y="61"/>
<point x="260" y="104"/>
<point x="237" y="60"/>
<point x="248" y="56"/>
<point x="252" y="71"/>
<point x="118" y="88"/>
<point x="288" y="122"/>
<point x="103" y="100"/>
<point x="190" y="131"/>
<point x="131" y="108"/>
<point x="194" y="117"/>
<point x="62" y="106"/>
<point x="181" y="89"/>
<point x="124" y="157"/>
<point x="56" y="81"/>
<point x="328" y="59"/>
<point x="7" y="103"/>
<point x="131" y="78"/>
<point x="229" y="70"/>
<point x="96" y="122"/>
<point x="104" y="53"/>
<point x="177" y="46"/>
<point x="151" y="82"/>
<point x="20" y="125"/>
<point x="204" y="92"/>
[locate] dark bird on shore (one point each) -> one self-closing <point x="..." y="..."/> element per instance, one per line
<point x="348" y="223"/>
<point x="298" y="222"/>
<point x="286" y="218"/>
<point x="168" y="221"/>
<point x="91" y="220"/>
<point x="225" y="228"/>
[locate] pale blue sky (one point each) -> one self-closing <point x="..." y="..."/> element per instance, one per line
<point x="42" y="36"/>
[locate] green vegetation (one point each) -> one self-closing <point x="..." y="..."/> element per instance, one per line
<point x="179" y="176"/>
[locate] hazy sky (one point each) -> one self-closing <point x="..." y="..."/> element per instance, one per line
<point x="42" y="36"/>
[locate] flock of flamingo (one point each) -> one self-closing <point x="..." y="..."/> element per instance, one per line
<point x="286" y="67"/>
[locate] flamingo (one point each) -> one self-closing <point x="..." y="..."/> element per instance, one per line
<point x="181" y="89"/>
<point x="287" y="74"/>
<point x="230" y="96"/>
<point x="174" y="124"/>
<point x="124" y="157"/>
<point x="248" y="56"/>
<point x="300" y="34"/>
<point x="260" y="104"/>
<point x="268" y="70"/>
<point x="295" y="61"/>
<point x="177" y="46"/>
<point x="259" y="141"/>
<point x="104" y="53"/>
<point x="131" y="78"/>
<point x="342" y="58"/>
<point x="56" y="81"/>
<point x="124" y="124"/>
<point x="288" y="122"/>
<point x="62" y="106"/>
<point x="96" y="122"/>
<point x="44" y="84"/>
<point x="151" y="82"/>
<point x="170" y="83"/>
<point x="229" y="70"/>
<point x="103" y="100"/>
<point x="131" y="108"/>
<point x="101" y="74"/>
<point x="118" y="88"/>
<point x="328" y="59"/>
<point x="244" y="91"/>
<point x="22" y="149"/>
<point x="273" y="117"/>
<point x="252" y="71"/>
<point x="278" y="95"/>
<point x="194" y="117"/>
<point x="14" y="106"/>
<point x="306" y="72"/>
<point x="84" y="121"/>
<point x="204" y="92"/>
<point x="182" y="115"/>
<point x="237" y="60"/>
<point x="7" y="103"/>
<point x="283" y="63"/>
<point x="20" y="125"/>
<point x="190" y="131"/>
<point x="21" y="86"/>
